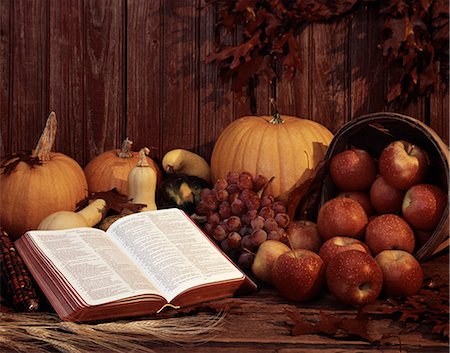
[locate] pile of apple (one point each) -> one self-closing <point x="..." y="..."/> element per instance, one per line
<point x="362" y="243"/>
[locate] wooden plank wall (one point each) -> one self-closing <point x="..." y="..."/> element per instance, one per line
<point x="117" y="68"/>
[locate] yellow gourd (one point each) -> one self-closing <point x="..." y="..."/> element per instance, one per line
<point x="182" y="161"/>
<point x="87" y="217"/>
<point x="142" y="183"/>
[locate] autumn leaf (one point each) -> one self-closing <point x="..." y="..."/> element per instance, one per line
<point x="268" y="28"/>
<point x="115" y="201"/>
<point x="428" y="308"/>
<point x="10" y="163"/>
<point x="415" y="42"/>
<point x="332" y="325"/>
<point x="302" y="200"/>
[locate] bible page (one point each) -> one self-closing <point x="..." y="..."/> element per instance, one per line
<point x="96" y="268"/>
<point x="173" y="252"/>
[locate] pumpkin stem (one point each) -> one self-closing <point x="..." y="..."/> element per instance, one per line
<point x="276" y="119"/>
<point x="143" y="162"/>
<point x="47" y="139"/>
<point x="125" y="150"/>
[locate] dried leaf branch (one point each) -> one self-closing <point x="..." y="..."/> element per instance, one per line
<point x="269" y="35"/>
<point x="415" y="42"/>
<point x="416" y="46"/>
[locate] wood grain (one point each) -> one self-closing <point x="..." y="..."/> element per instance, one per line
<point x="294" y="96"/>
<point x="104" y="22"/>
<point x="366" y="62"/>
<point x="143" y="75"/>
<point x="179" y="82"/>
<point x="439" y="112"/>
<point x="216" y="99"/>
<point x="117" y="68"/>
<point x="5" y="84"/>
<point x="29" y="72"/>
<point x="329" y="81"/>
<point x="66" y="90"/>
<point x="259" y="323"/>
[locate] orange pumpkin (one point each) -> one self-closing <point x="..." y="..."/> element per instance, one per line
<point x="47" y="183"/>
<point x="110" y="169"/>
<point x="284" y="147"/>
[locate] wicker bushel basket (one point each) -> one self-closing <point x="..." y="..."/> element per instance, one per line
<point x="373" y="132"/>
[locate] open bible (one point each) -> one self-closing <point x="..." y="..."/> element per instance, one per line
<point x="142" y="263"/>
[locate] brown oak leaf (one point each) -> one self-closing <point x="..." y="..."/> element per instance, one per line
<point x="333" y="325"/>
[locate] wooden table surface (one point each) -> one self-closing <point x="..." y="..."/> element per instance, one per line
<point x="259" y="322"/>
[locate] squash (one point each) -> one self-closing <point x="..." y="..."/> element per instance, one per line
<point x="142" y="183"/>
<point x="182" y="161"/>
<point x="89" y="216"/>
<point x="110" y="169"/>
<point x="37" y="184"/>
<point x="181" y="191"/>
<point x="284" y="147"/>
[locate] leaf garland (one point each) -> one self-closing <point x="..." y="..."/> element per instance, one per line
<point x="415" y="40"/>
<point x="416" y="46"/>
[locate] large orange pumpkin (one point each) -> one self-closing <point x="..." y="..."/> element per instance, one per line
<point x="110" y="169"/>
<point x="285" y="147"/>
<point x="47" y="183"/>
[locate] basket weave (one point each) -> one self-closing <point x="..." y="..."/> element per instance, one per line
<point x="375" y="131"/>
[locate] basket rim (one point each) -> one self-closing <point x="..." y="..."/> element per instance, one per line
<point x="414" y="122"/>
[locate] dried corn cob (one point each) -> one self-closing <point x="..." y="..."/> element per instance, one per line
<point x="15" y="278"/>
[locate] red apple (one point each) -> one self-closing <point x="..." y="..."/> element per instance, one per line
<point x="354" y="278"/>
<point x="389" y="231"/>
<point x="353" y="170"/>
<point x="267" y="254"/>
<point x="336" y="245"/>
<point x="403" y="164"/>
<point x="385" y="198"/>
<point x="361" y="197"/>
<point x="299" y="275"/>
<point x="304" y="235"/>
<point x="402" y="273"/>
<point x="423" y="206"/>
<point x="341" y="216"/>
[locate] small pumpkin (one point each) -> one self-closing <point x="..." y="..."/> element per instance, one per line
<point x="110" y="169"/>
<point x="36" y="184"/>
<point x="280" y="146"/>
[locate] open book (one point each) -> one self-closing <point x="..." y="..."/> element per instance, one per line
<point x="144" y="262"/>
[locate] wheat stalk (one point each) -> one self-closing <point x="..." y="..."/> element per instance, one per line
<point x="36" y="332"/>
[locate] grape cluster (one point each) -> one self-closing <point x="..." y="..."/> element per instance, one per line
<point x="239" y="219"/>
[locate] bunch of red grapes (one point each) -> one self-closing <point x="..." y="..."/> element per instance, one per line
<point x="239" y="218"/>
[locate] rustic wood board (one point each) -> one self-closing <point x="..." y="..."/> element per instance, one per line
<point x="144" y="118"/>
<point x="259" y="323"/>
<point x="67" y="82"/>
<point x="5" y="85"/>
<point x="104" y="76"/>
<point x="28" y="75"/>
<point x="136" y="68"/>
